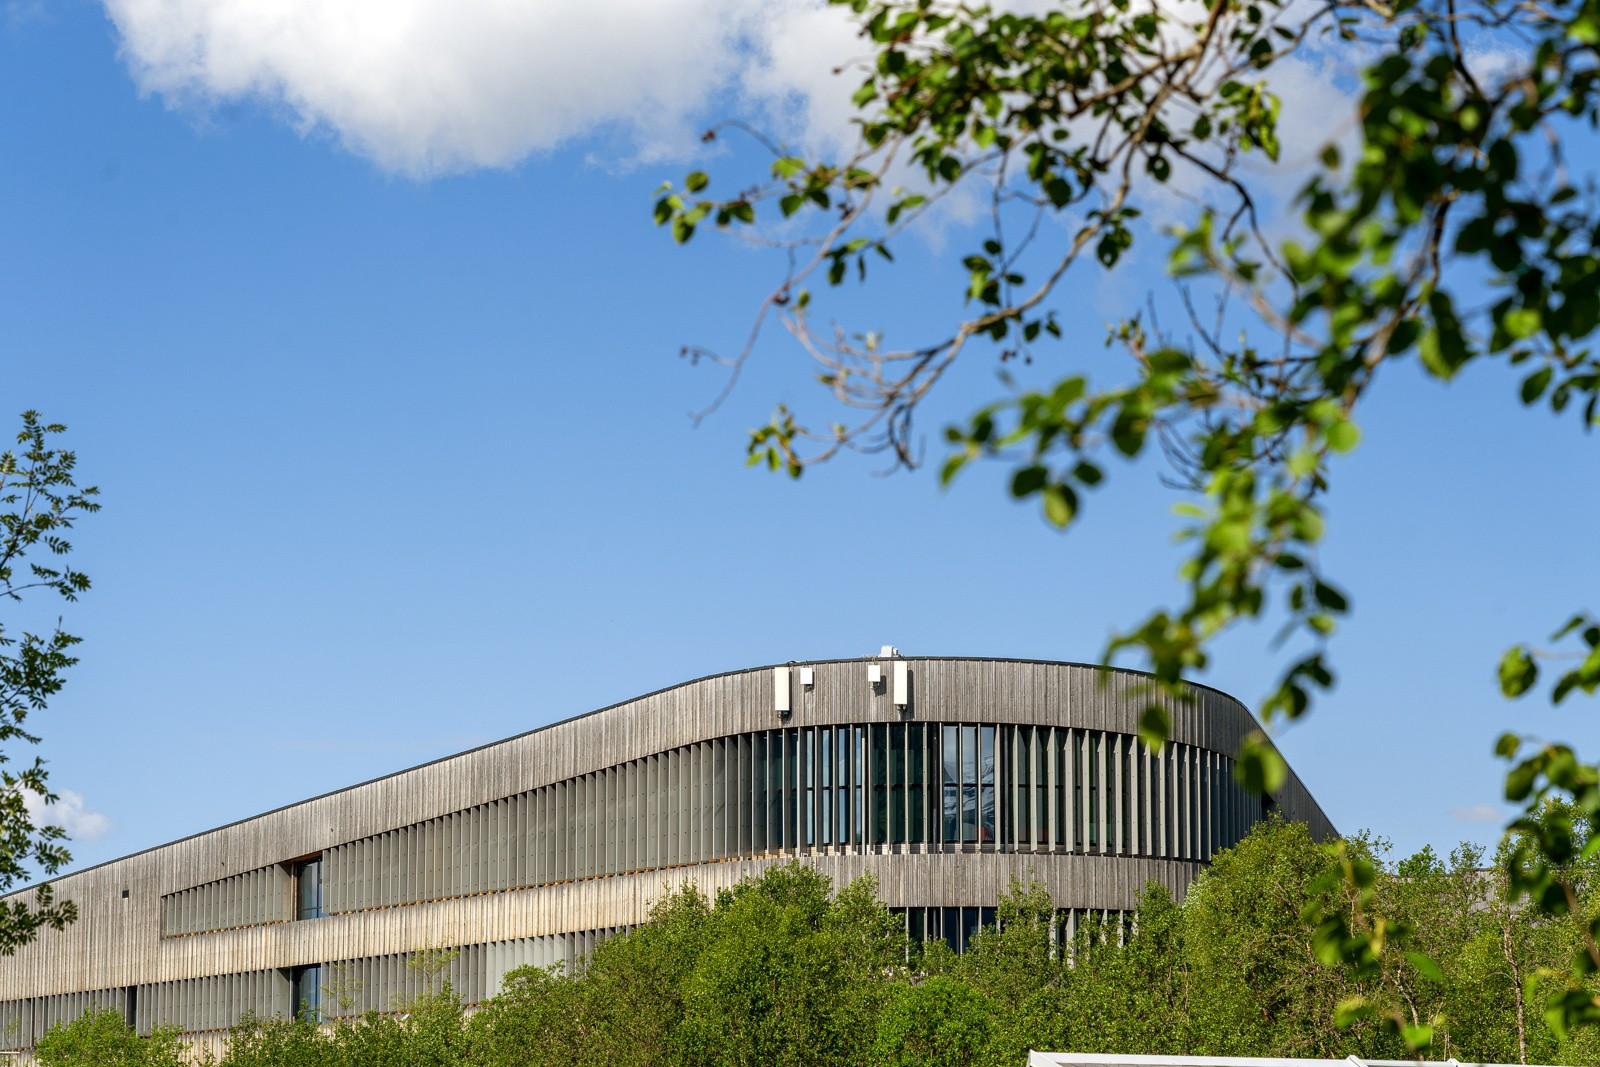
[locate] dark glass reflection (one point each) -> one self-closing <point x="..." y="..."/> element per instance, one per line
<point x="308" y="889"/>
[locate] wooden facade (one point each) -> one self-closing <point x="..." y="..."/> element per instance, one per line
<point x="525" y="850"/>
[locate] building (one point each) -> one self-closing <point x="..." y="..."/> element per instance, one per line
<point x="946" y="779"/>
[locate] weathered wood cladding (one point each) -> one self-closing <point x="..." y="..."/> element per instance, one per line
<point x="118" y="941"/>
<point x="783" y="792"/>
<point x="258" y="896"/>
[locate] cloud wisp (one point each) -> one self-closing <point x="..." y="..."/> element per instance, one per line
<point x="70" y="812"/>
<point x="430" y="87"/>
<point x="1479" y="813"/>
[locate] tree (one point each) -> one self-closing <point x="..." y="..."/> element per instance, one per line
<point x="101" y="1037"/>
<point x="39" y="502"/>
<point x="1453" y="235"/>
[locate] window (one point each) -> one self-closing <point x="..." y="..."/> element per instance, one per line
<point x="952" y="787"/>
<point x="879" y="754"/>
<point x="308" y="889"/>
<point x="917" y="778"/>
<point x="986" y="785"/>
<point x="305" y="991"/>
<point x="897" y="784"/>
<point x="969" y="784"/>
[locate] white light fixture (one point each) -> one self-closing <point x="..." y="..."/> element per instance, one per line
<point x="780" y="690"/>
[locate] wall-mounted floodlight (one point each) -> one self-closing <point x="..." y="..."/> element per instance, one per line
<point x="875" y="675"/>
<point x="780" y="690"/>
<point x="808" y="677"/>
<point x="902" y="684"/>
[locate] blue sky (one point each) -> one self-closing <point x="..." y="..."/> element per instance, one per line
<point x="395" y="454"/>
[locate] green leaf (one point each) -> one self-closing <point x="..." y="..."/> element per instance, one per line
<point x="1522" y="323"/>
<point x="1029" y="480"/>
<point x="1155" y="727"/>
<point x="1534" y="385"/>
<point x="1343" y="435"/>
<point x="696" y="181"/>
<point x="1417" y="1037"/>
<point x="1060" y="505"/>
<point x="1425" y="966"/>
<point x="1350" y="1011"/>
<point x="1518" y="672"/>
<point x="1259" y="768"/>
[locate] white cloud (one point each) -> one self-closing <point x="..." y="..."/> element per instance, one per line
<point x="1479" y="813"/>
<point x="70" y="812"/>
<point x="426" y="87"/>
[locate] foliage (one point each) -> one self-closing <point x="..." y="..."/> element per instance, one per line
<point x="1453" y="235"/>
<point x="940" y="1021"/>
<point x="431" y="1032"/>
<point x="103" y="1038"/>
<point x="784" y="969"/>
<point x="39" y="502"/>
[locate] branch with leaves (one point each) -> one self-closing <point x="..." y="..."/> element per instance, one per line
<point x="1454" y="234"/>
<point x="39" y="503"/>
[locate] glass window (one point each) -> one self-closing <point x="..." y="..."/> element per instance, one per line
<point x="1094" y="790"/>
<point x="305" y="991"/>
<point x="969" y="784"/>
<point x="1079" y="787"/>
<point x="1041" y="785"/>
<point x="825" y="768"/>
<point x="792" y="799"/>
<point x="917" y="783"/>
<point x="986" y="784"/>
<point x="897" y="783"/>
<point x="1024" y="784"/>
<point x="952" y="786"/>
<point x="758" y="792"/>
<point x="842" y="777"/>
<point x="775" y="790"/>
<point x="808" y="793"/>
<point x="1130" y="787"/>
<point x="308" y="889"/>
<point x="969" y="926"/>
<point x="880" y="784"/>
<point x="858" y="762"/>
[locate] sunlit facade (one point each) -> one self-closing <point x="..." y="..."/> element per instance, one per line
<point x="947" y="780"/>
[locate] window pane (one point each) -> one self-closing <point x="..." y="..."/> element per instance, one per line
<point x="969" y="784"/>
<point x="858" y="759"/>
<point x="1094" y="790"/>
<point x="986" y="784"/>
<point x="825" y="799"/>
<point x="917" y="778"/>
<point x="775" y="790"/>
<point x="305" y="991"/>
<point x="1024" y="773"/>
<point x="842" y="776"/>
<point x="952" y="786"/>
<point x="308" y="885"/>
<point x="791" y="784"/>
<point x="808" y="793"/>
<point x="897" y="783"/>
<point x="758" y="791"/>
<point x="880" y="784"/>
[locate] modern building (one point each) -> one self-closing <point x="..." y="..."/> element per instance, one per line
<point x="946" y="779"/>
